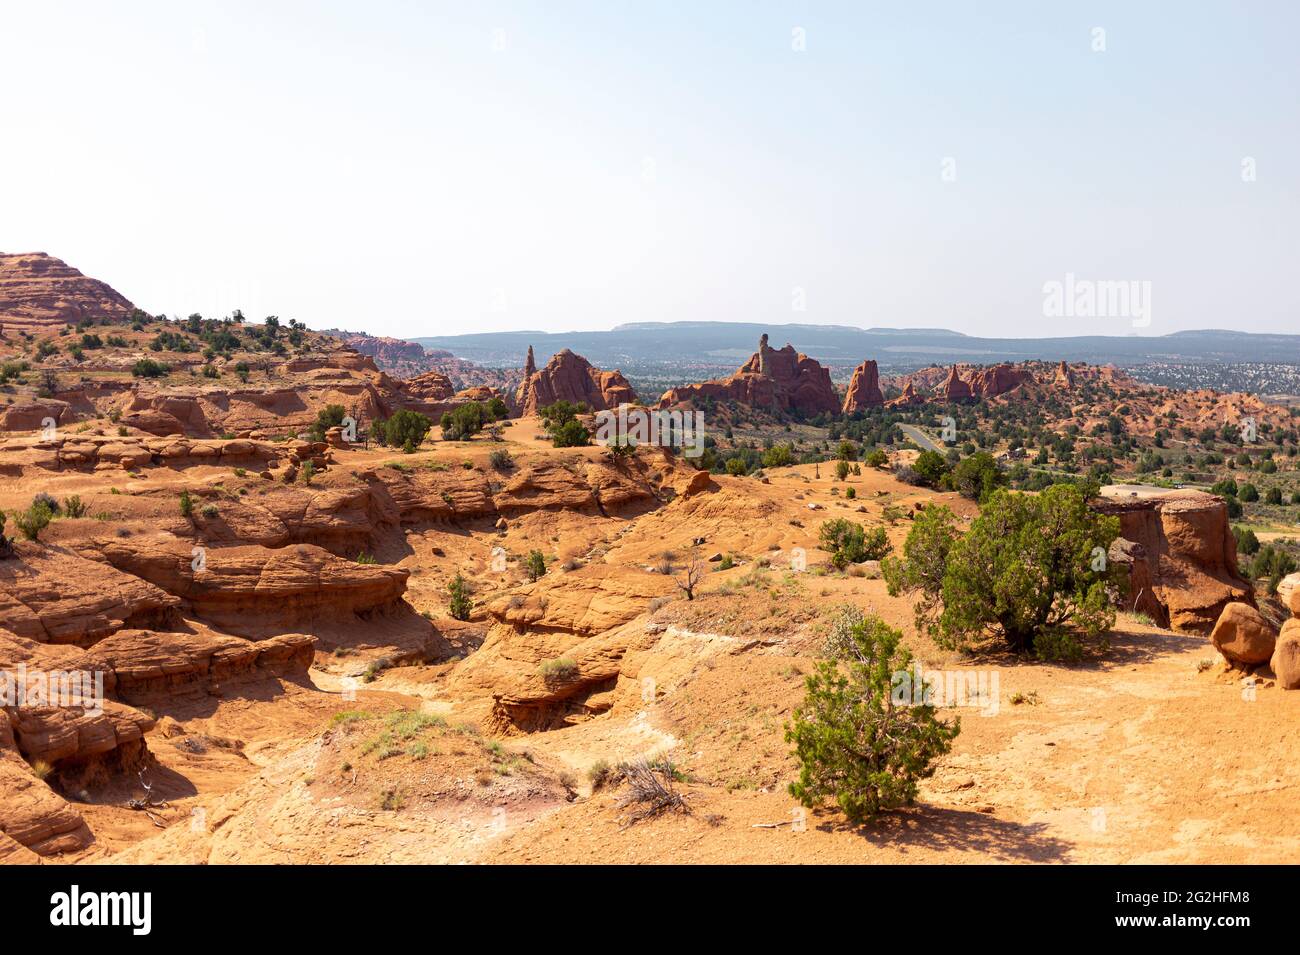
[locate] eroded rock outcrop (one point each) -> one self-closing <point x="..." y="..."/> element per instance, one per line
<point x="864" y="388"/>
<point x="997" y="380"/>
<point x="953" y="388"/>
<point x="256" y="591"/>
<point x="55" y="596"/>
<point x="38" y="292"/>
<point x="581" y="619"/>
<point x="570" y="377"/>
<point x="779" y="380"/>
<point x="1185" y="570"/>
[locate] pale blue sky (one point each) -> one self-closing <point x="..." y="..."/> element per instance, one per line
<point x="419" y="169"/>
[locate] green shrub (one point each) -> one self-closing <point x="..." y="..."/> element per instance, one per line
<point x="535" y="564"/>
<point x="778" y="456"/>
<point x="331" y="416"/>
<point x="924" y="563"/>
<point x="148" y="368"/>
<point x="853" y="742"/>
<point x="976" y="477"/>
<point x="405" y="430"/>
<point x="1025" y="572"/>
<point x="848" y="543"/>
<point x="460" y="604"/>
<point x="32" y="521"/>
<point x="187" y="504"/>
<point x="930" y="468"/>
<point x="571" y="434"/>
<point x="558" y="670"/>
<point x="462" y="423"/>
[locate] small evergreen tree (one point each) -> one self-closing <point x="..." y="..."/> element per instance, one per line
<point x="855" y="744"/>
<point x="460" y="604"/>
<point x="1032" y="569"/>
<point x="405" y="430"/>
<point x="535" y="564"/>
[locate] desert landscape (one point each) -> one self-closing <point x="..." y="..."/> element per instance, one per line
<point x="349" y="600"/>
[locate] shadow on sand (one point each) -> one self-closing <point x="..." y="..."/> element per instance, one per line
<point x="937" y="829"/>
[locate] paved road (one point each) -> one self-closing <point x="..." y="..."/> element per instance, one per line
<point x="920" y="438"/>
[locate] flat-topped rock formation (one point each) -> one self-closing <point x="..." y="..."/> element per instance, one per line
<point x="1181" y="556"/>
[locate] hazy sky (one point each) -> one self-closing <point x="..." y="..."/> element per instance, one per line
<point x="429" y="168"/>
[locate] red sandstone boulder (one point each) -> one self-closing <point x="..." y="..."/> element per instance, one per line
<point x="1288" y="591"/>
<point x="1285" y="661"/>
<point x="1243" y="636"/>
<point x="32" y="415"/>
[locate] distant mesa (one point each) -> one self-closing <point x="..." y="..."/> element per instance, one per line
<point x="570" y="377"/>
<point x="40" y="292"/>
<point x="773" y="379"/>
<point x="864" y="388"/>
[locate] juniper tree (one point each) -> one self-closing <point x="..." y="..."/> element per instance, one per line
<point x="855" y="743"/>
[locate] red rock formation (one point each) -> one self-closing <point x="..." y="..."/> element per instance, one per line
<point x="998" y="380"/>
<point x="256" y="591"/>
<point x="38" y="291"/>
<point x="908" y="397"/>
<point x="432" y="386"/>
<point x="1064" y="375"/>
<point x="864" y="388"/>
<point x="1183" y="569"/>
<point x="55" y="597"/>
<point x="570" y="377"/>
<point x="953" y="388"/>
<point x="773" y="379"/>
<point x="31" y="415"/>
<point x="1243" y="635"/>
